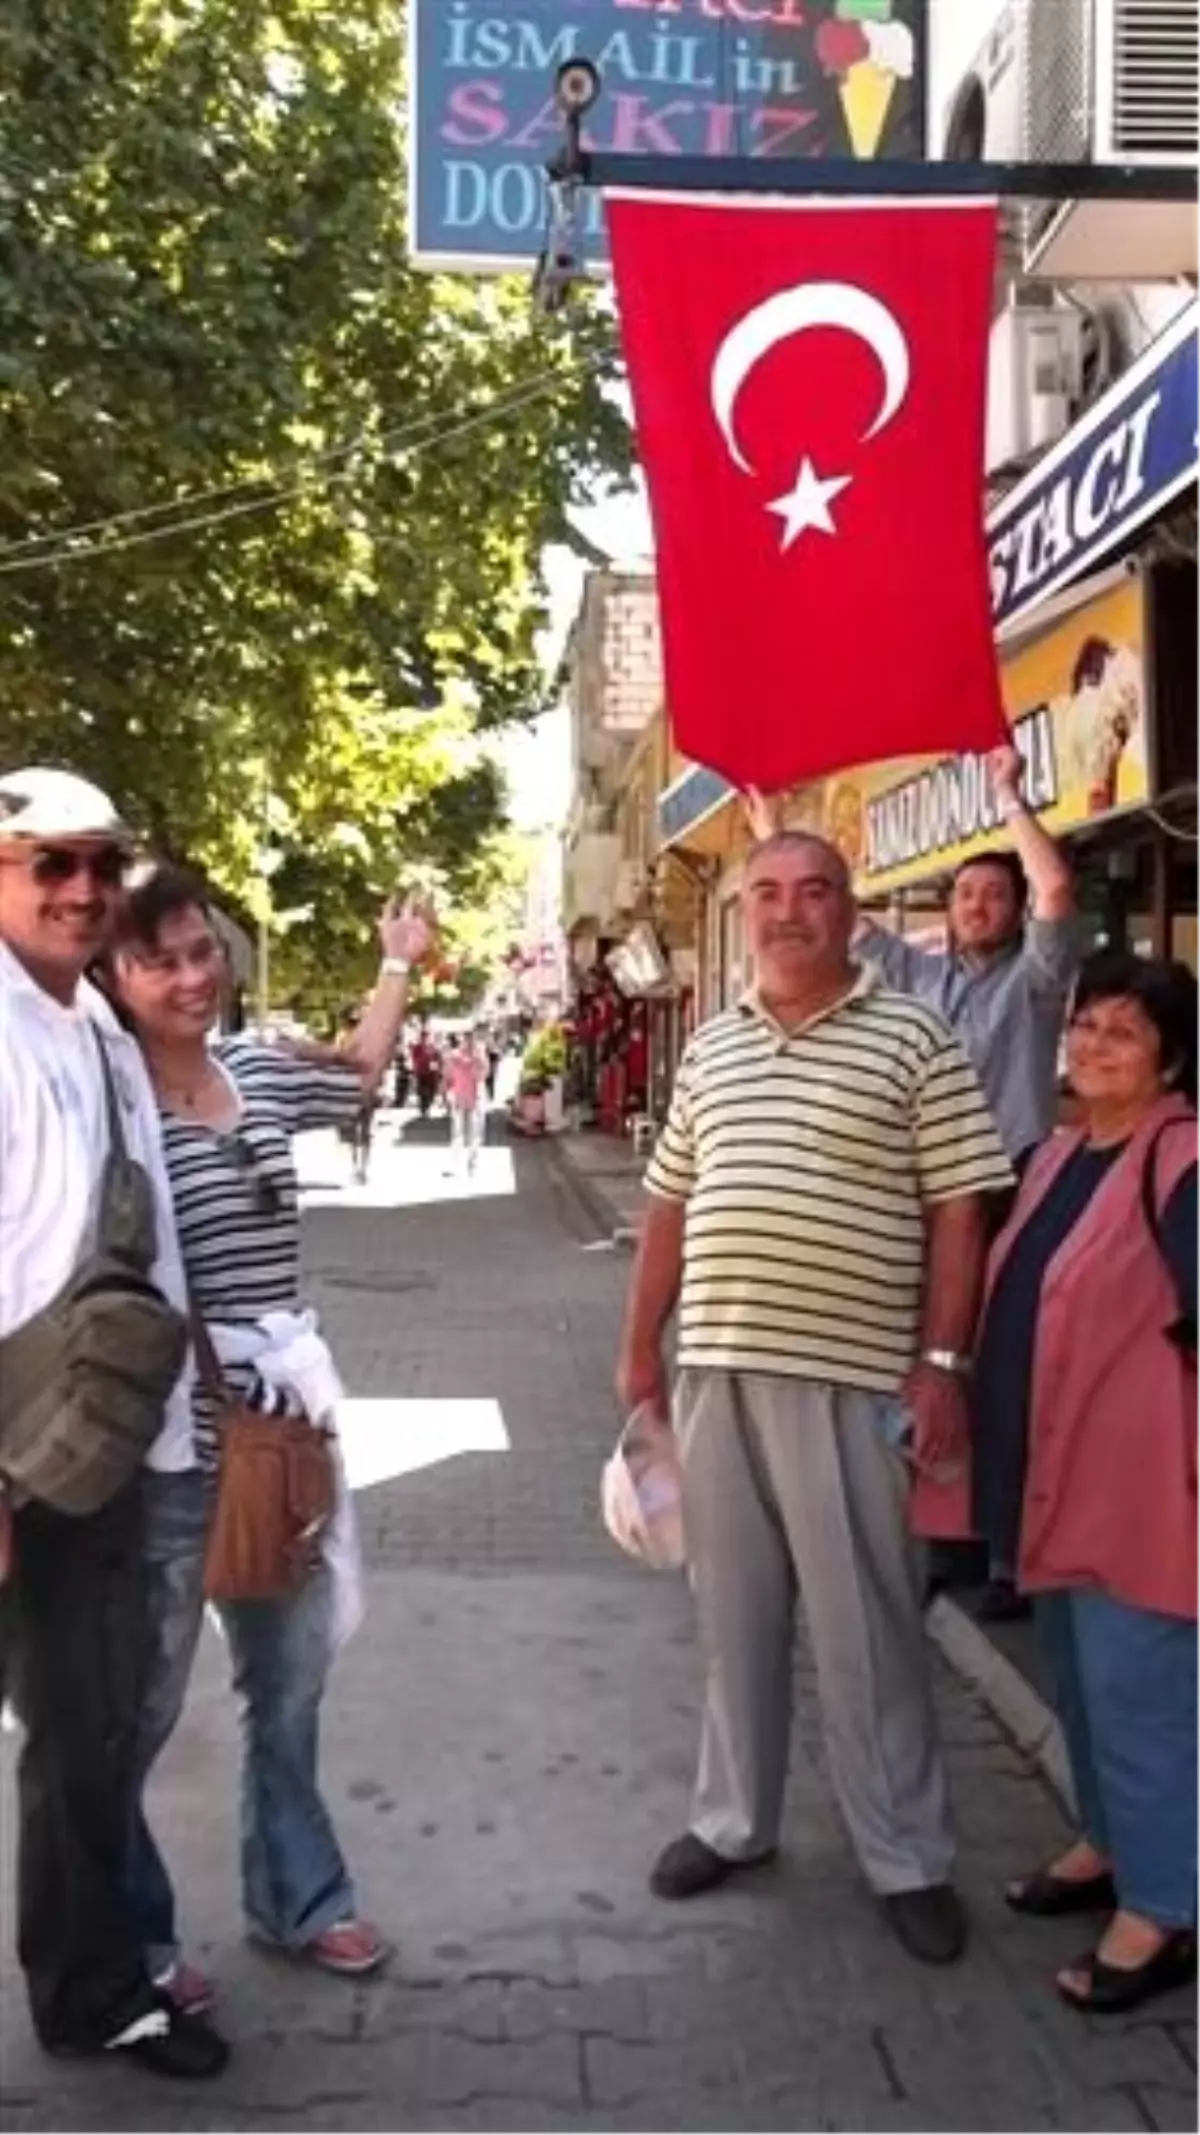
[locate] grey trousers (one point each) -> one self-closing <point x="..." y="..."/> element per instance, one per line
<point x="791" y="1485"/>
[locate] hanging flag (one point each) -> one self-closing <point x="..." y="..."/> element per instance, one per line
<point x="808" y="384"/>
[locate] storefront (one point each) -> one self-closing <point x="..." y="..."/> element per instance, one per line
<point x="1102" y="708"/>
<point x="678" y="900"/>
<point x="609" y="1031"/>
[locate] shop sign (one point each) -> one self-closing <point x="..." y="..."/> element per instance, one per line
<point x="681" y="78"/>
<point x="1116" y="467"/>
<point x="697" y="793"/>
<point x="1077" y="698"/>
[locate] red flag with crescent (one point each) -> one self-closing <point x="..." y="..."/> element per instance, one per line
<point x="809" y="384"/>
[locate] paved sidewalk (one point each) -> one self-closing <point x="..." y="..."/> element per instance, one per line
<point x="509" y="1740"/>
<point x="606" y="1174"/>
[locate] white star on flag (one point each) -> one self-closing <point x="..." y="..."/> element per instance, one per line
<point x="807" y="504"/>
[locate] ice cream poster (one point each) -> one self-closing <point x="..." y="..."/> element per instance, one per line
<point x="1078" y="700"/>
<point x="709" y="78"/>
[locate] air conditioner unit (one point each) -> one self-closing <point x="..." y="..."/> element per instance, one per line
<point x="1035" y="380"/>
<point x="1089" y="81"/>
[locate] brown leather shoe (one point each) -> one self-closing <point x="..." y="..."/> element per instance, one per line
<point x="687" y="1867"/>
<point x="930" y="1923"/>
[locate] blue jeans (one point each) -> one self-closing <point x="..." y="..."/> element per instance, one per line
<point x="1126" y="1681"/>
<point x="295" y="1883"/>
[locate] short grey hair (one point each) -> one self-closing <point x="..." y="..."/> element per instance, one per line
<point x="791" y="840"/>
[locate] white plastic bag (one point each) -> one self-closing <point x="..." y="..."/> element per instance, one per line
<point x="641" y="1493"/>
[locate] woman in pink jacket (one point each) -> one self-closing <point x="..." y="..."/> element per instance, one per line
<point x="1084" y="1466"/>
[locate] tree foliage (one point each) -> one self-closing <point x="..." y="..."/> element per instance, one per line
<point x="204" y="300"/>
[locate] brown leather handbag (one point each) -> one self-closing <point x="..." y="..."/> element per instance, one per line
<point x="275" y="1497"/>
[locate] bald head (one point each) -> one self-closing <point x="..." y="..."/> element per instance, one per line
<point x="826" y="856"/>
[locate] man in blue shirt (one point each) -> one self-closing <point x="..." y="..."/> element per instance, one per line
<point x="1002" y="984"/>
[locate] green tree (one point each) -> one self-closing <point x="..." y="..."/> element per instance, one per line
<point x="203" y="287"/>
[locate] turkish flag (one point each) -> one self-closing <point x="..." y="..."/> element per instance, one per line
<point x="809" y="387"/>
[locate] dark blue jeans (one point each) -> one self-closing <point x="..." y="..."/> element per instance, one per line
<point x="295" y="1883"/>
<point x="1126" y="1680"/>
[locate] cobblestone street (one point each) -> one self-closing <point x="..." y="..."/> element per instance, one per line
<point x="509" y="1740"/>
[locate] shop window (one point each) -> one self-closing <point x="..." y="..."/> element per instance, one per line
<point x="733" y="952"/>
<point x="1182" y="908"/>
<point x="1115" y="889"/>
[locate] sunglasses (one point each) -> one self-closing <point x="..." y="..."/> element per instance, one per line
<point x="266" y="1196"/>
<point x="53" y="866"/>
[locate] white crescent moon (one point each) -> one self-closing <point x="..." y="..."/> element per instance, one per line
<point x="789" y="312"/>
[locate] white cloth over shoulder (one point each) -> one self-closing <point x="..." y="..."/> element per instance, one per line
<point x="290" y="1356"/>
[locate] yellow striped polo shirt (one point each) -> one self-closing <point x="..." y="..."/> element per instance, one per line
<point x="806" y="1159"/>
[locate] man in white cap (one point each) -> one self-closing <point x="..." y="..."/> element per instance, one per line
<point x="73" y="1599"/>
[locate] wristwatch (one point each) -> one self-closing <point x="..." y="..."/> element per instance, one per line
<point x="947" y="1360"/>
<point x="1011" y="806"/>
<point x="395" y="967"/>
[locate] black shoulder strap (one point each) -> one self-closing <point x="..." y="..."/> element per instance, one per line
<point x="112" y="1103"/>
<point x="1149" y="1183"/>
<point x="125" y="1221"/>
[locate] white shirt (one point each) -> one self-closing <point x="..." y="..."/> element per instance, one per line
<point x="53" y="1143"/>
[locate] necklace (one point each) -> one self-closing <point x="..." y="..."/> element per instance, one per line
<point x="186" y="1100"/>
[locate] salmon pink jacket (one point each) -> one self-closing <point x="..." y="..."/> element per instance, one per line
<point x="1110" y="1486"/>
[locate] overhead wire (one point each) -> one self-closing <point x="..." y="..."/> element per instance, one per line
<point x="387" y="439"/>
<point x="409" y="441"/>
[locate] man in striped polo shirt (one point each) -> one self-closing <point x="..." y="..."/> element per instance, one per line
<point x="816" y="1212"/>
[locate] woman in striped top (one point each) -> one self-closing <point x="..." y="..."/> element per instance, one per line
<point x="229" y="1112"/>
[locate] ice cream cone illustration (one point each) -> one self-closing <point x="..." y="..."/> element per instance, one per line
<point x="866" y="92"/>
<point x="868" y="51"/>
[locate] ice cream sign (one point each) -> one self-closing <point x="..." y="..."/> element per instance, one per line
<point x="769" y="78"/>
<point x="869" y="50"/>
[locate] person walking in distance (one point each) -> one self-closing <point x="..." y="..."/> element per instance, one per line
<point x="1002" y="985"/>
<point x="816" y="1208"/>
<point x="74" y="1599"/>
<point x="465" y="1077"/>
<point x="427" y="1071"/>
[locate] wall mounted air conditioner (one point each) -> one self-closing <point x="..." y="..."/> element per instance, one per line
<point x="1035" y="380"/>
<point x="1089" y="81"/>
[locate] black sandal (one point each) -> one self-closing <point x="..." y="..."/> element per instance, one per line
<point x="1046" y="1896"/>
<point x="1113" y="1990"/>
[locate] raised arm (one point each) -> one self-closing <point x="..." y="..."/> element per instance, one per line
<point x="902" y="963"/>
<point x="1047" y="870"/>
<point x="406" y="934"/>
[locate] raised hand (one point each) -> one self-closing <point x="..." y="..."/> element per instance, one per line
<point x="1007" y="768"/>
<point x="407" y="929"/>
<point x="762" y="815"/>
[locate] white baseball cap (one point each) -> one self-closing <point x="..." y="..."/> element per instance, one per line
<point x="56" y="804"/>
<point x="641" y="1494"/>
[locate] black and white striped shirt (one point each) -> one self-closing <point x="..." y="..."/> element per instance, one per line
<point x="235" y="1194"/>
<point x="806" y="1159"/>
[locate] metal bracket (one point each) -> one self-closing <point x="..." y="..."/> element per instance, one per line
<point x="1167" y="182"/>
<point x="578" y="85"/>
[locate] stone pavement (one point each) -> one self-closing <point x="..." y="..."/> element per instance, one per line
<point x="607" y="1175"/>
<point x="508" y="1741"/>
